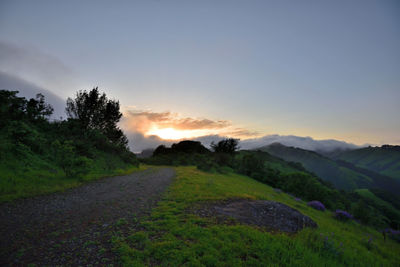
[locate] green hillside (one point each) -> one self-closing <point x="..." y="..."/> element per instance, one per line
<point x="324" y="167"/>
<point x="384" y="159"/>
<point x="175" y="236"/>
<point x="371" y="196"/>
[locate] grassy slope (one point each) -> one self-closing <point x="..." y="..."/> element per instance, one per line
<point x="377" y="159"/>
<point x="271" y="162"/>
<point x="34" y="176"/>
<point x="380" y="202"/>
<point x="325" y="168"/>
<point x="174" y="237"/>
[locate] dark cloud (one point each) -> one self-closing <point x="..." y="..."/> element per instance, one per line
<point x="29" y="63"/>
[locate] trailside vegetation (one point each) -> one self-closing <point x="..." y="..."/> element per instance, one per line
<point x="40" y="156"/>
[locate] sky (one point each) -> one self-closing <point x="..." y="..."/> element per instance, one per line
<point x="245" y="69"/>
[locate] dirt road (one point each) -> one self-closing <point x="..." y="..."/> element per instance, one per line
<point x="75" y="227"/>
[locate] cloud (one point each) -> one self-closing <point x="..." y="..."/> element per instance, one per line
<point x="143" y="119"/>
<point x="31" y="64"/>
<point x="298" y="141"/>
<point x="139" y="124"/>
<point x="139" y="127"/>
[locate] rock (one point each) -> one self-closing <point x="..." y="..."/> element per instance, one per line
<point x="274" y="216"/>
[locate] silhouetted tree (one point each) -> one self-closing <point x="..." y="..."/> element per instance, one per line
<point x="229" y="145"/>
<point x="13" y="107"/>
<point x="96" y="111"/>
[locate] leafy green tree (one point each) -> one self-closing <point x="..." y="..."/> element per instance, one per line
<point x="95" y="111"/>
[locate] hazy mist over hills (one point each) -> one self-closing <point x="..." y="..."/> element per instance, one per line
<point x="307" y="143"/>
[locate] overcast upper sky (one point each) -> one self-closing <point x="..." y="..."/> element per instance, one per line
<point x="325" y="69"/>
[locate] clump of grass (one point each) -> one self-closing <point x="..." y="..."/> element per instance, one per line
<point x="121" y="222"/>
<point x="330" y="248"/>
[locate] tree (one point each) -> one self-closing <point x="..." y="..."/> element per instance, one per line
<point x="95" y="111"/>
<point x="229" y="145"/>
<point x="38" y="109"/>
<point x="13" y="107"/>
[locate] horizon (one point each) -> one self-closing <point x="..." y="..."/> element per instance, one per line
<point x="329" y="71"/>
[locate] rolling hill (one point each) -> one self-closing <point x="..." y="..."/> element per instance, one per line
<point x="342" y="175"/>
<point x="384" y="160"/>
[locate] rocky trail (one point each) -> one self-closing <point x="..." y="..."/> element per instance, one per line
<point x="75" y="227"/>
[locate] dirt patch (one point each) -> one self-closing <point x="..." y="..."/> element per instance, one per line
<point x="75" y="227"/>
<point x="273" y="216"/>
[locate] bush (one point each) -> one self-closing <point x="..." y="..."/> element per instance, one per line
<point x="316" y="205"/>
<point x="74" y="166"/>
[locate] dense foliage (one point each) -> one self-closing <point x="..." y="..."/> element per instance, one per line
<point x="36" y="151"/>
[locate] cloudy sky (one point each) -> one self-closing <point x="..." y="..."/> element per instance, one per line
<point x="184" y="69"/>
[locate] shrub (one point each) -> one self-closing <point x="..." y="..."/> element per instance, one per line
<point x="72" y="164"/>
<point x="316" y="205"/>
<point x="343" y="215"/>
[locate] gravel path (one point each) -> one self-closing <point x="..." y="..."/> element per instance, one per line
<point x="75" y="227"/>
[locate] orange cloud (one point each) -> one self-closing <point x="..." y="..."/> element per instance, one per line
<point x="168" y="125"/>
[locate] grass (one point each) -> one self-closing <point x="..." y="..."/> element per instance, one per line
<point x="35" y="176"/>
<point x="171" y="236"/>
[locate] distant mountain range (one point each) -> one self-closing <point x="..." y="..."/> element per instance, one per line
<point x="342" y="174"/>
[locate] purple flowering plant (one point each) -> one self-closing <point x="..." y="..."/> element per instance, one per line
<point x="393" y="234"/>
<point x="316" y="205"/>
<point x="343" y="215"/>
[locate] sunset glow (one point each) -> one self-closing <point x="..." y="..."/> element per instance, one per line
<point x="173" y="134"/>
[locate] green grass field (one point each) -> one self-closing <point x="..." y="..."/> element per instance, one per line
<point x="171" y="236"/>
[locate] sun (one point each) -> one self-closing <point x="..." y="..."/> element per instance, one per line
<point x="168" y="133"/>
<point x="174" y="134"/>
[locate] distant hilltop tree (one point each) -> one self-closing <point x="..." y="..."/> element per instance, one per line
<point x="229" y="145"/>
<point x="95" y="111"/>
